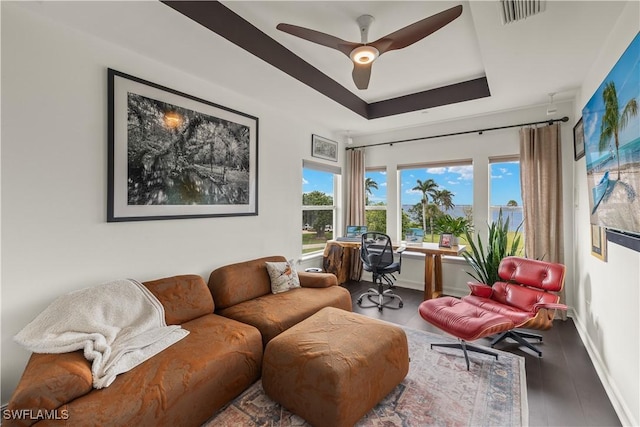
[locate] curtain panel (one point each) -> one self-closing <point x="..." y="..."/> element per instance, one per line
<point x="355" y="195"/>
<point x="541" y="181"/>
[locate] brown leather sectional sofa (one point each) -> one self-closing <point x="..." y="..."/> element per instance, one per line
<point x="188" y="382"/>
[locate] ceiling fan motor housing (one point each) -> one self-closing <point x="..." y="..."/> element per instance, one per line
<point x="365" y="21"/>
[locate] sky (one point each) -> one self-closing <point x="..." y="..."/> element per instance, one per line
<point x="504" y="181"/>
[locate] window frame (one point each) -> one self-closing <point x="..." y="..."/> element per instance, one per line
<point x="378" y="207"/>
<point x="337" y="198"/>
<point x="427" y="165"/>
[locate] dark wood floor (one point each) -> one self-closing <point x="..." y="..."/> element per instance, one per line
<point x="563" y="388"/>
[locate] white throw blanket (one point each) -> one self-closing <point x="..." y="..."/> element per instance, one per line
<point x="119" y="325"/>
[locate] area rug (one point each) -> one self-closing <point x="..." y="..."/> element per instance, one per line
<point x="438" y="391"/>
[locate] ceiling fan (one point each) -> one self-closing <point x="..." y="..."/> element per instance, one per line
<point x="363" y="54"/>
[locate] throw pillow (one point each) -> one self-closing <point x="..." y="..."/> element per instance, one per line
<point x="283" y="276"/>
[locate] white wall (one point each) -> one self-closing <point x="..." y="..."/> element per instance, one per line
<point x="607" y="293"/>
<point x="55" y="237"/>
<point x="479" y="149"/>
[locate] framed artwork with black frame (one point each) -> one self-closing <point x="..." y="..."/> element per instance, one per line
<point x="578" y="140"/>
<point x="173" y="155"/>
<point x="324" y="148"/>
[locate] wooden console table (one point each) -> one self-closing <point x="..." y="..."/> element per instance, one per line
<point x="433" y="265"/>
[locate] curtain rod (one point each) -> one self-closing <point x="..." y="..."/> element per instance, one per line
<point x="479" y="131"/>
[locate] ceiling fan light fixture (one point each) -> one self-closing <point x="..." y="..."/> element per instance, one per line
<point x="364" y="54"/>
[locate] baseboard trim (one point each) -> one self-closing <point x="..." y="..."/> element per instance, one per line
<point x="619" y="405"/>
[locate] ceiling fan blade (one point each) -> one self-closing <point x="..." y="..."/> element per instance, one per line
<point x="361" y="75"/>
<point x="417" y="31"/>
<point x="319" y="38"/>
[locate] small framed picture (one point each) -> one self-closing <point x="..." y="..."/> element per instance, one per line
<point x="445" y="240"/>
<point x="599" y="242"/>
<point x="324" y="148"/>
<point x="578" y="140"/>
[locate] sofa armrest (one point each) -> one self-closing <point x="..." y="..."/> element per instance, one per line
<point x="480" y="289"/>
<point x="51" y="380"/>
<point x="317" y="280"/>
<point x="549" y="306"/>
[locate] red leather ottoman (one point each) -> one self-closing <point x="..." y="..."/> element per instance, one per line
<point x="334" y="366"/>
<point x="464" y="321"/>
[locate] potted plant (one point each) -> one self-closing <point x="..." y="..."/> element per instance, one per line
<point x="456" y="226"/>
<point x="484" y="260"/>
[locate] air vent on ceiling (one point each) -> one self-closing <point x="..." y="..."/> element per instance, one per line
<point x="516" y="10"/>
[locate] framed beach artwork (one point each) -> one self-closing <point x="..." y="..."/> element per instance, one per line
<point x="173" y="156"/>
<point x="612" y="145"/>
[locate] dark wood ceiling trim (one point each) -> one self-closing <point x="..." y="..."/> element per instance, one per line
<point x="459" y="92"/>
<point x="223" y="21"/>
<point x="226" y="23"/>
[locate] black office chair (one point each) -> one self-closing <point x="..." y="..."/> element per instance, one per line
<point x="377" y="256"/>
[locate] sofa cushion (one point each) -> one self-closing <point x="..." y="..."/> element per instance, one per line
<point x="273" y="314"/>
<point x="317" y="280"/>
<point x="184" y="297"/>
<point x="51" y="380"/>
<point x="243" y="281"/>
<point x="183" y="385"/>
<point x="517" y="316"/>
<point x="521" y="297"/>
<point x="283" y="276"/>
<point x="530" y="272"/>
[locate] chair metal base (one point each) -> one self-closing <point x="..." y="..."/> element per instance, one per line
<point x="380" y="294"/>
<point x="519" y="336"/>
<point x="464" y="346"/>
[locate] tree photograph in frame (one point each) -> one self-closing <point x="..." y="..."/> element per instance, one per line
<point x="324" y="148"/>
<point x="172" y="155"/>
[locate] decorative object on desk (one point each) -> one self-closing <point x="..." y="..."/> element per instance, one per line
<point x="446" y="240"/>
<point x="324" y="148"/>
<point x="172" y="155"/>
<point x="578" y="140"/>
<point x="493" y="392"/>
<point x="414" y="236"/>
<point x="456" y="226"/>
<point x="599" y="242"/>
<point x="484" y="260"/>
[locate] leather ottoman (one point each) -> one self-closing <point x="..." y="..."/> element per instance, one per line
<point x="335" y="366"/>
<point x="465" y="321"/>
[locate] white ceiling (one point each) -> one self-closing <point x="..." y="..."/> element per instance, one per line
<point x="522" y="61"/>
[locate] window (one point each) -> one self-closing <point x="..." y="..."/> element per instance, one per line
<point x="505" y="194"/>
<point x="319" y="185"/>
<point x="375" y="192"/>
<point x="431" y="191"/>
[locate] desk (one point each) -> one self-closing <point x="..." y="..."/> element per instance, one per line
<point x="343" y="260"/>
<point x="433" y="265"/>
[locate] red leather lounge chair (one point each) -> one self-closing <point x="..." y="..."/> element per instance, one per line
<point x="525" y="298"/>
